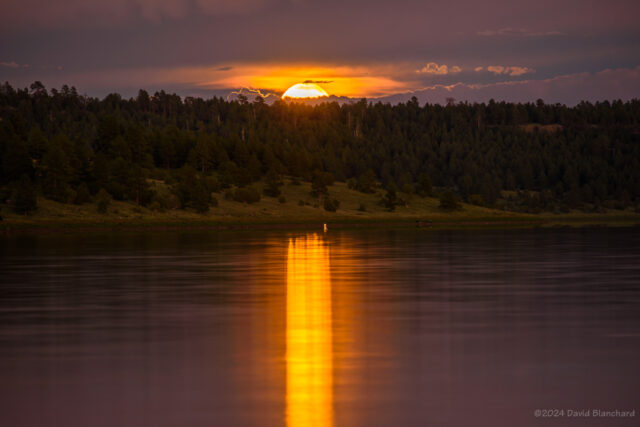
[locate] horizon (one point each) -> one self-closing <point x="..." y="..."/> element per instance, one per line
<point x="271" y="98"/>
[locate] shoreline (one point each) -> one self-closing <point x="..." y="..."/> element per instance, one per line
<point x="42" y="226"/>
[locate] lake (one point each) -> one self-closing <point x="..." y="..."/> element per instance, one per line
<point x="344" y="328"/>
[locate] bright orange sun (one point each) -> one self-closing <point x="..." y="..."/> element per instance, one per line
<point x="305" y="90"/>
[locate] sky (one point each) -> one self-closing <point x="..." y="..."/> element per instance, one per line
<point x="470" y="50"/>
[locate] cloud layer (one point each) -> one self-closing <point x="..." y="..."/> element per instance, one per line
<point x="568" y="89"/>
<point x="363" y="47"/>
<point x="511" y="71"/>
<point x="439" y="70"/>
<point x="519" y="32"/>
<point x="105" y="13"/>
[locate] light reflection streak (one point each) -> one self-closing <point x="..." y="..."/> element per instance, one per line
<point x="309" y="358"/>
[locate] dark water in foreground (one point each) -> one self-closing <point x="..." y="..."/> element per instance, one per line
<point x="378" y="328"/>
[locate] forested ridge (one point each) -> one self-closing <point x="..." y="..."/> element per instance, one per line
<point x="78" y="149"/>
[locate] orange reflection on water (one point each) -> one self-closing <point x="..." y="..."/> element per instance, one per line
<point x="309" y="357"/>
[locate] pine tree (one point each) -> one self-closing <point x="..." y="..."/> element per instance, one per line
<point x="25" y="196"/>
<point x="390" y="199"/>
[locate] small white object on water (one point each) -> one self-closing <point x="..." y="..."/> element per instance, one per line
<point x="325" y="228"/>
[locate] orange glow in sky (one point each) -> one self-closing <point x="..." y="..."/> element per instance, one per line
<point x="355" y="81"/>
<point x="339" y="80"/>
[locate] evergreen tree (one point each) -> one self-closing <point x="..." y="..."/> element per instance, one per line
<point x="103" y="200"/>
<point x="366" y="182"/>
<point x="423" y="186"/>
<point x="331" y="205"/>
<point x="25" y="200"/>
<point x="273" y="182"/>
<point x="390" y="199"/>
<point x="82" y="194"/>
<point x="547" y="156"/>
<point x="56" y="173"/>
<point x="448" y="201"/>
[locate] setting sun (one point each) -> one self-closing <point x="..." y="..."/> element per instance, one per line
<point x="305" y="90"/>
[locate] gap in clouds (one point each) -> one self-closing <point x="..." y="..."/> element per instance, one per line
<point x="380" y="82"/>
<point x="354" y="80"/>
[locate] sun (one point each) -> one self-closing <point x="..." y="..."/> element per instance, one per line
<point x="304" y="90"/>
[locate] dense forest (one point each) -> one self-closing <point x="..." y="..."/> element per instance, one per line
<point x="77" y="149"/>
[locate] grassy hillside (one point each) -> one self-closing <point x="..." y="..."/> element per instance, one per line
<point x="298" y="206"/>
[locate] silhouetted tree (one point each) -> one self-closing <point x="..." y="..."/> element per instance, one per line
<point x="390" y="199"/>
<point x="423" y="186"/>
<point x="546" y="156"/>
<point x="448" y="201"/>
<point x="25" y="196"/>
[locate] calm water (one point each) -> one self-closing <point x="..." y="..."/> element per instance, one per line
<point x="377" y="328"/>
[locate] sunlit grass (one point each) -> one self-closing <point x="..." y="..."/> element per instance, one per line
<point x="299" y="206"/>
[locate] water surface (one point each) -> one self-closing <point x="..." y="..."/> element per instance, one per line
<point x="376" y="328"/>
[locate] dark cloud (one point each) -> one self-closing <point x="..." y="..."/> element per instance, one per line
<point x="519" y="32"/>
<point x="115" y="13"/>
<point x="319" y="82"/>
<point x="10" y="64"/>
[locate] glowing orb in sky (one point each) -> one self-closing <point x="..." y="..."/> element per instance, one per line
<point x="304" y="90"/>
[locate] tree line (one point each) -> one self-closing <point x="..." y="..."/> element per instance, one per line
<point x="74" y="149"/>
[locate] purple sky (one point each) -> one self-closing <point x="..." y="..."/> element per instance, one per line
<point x="560" y="50"/>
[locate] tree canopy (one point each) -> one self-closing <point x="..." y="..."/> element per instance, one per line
<point x="532" y="156"/>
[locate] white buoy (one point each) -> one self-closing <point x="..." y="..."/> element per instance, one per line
<point x="325" y="228"/>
